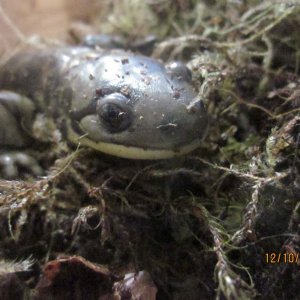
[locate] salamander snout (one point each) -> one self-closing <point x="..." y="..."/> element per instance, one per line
<point x="183" y="126"/>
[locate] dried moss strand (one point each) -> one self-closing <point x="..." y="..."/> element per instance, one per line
<point x="230" y="285"/>
<point x="259" y="33"/>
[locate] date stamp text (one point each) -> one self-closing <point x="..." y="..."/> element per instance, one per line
<point x="282" y="257"/>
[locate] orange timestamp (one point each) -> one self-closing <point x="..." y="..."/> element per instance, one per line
<point x="282" y="257"/>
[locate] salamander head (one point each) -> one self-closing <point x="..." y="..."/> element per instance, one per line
<point x="135" y="107"/>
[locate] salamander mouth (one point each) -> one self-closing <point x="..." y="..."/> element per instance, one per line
<point x="132" y="152"/>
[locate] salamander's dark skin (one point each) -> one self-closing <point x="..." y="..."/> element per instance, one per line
<point x="114" y="101"/>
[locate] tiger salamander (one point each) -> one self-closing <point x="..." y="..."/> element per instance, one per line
<point x="114" y="101"/>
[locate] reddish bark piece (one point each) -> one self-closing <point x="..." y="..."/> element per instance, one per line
<point x="73" y="278"/>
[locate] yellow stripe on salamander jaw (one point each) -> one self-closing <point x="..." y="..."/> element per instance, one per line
<point x="129" y="151"/>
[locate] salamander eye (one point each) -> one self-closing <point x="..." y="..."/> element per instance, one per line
<point x="114" y="113"/>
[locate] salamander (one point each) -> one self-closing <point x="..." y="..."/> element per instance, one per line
<point x="114" y="101"/>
